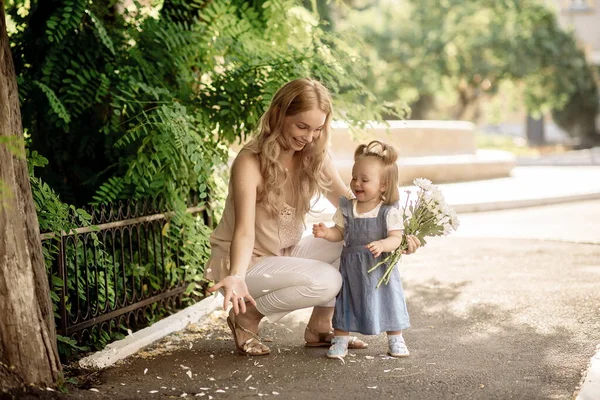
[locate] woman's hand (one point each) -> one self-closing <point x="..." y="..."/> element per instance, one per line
<point x="236" y="291"/>
<point x="413" y="243"/>
<point x="337" y="188"/>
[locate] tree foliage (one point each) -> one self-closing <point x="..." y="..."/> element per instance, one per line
<point x="143" y="101"/>
<point x="455" y="51"/>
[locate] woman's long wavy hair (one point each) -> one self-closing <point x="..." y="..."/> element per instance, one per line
<point x="388" y="156"/>
<point x="296" y="96"/>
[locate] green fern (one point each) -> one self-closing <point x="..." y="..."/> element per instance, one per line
<point x="56" y="105"/>
<point x="101" y="32"/>
<point x="65" y="20"/>
<point x="110" y="191"/>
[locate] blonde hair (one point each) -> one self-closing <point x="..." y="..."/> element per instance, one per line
<point x="388" y="156"/>
<point x="294" y="97"/>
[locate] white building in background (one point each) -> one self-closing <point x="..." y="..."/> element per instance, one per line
<point x="583" y="17"/>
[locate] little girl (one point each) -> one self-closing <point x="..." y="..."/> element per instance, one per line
<point x="371" y="226"/>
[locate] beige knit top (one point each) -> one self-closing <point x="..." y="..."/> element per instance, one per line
<point x="272" y="237"/>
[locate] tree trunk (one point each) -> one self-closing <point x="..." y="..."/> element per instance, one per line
<point x="423" y="107"/>
<point x="535" y="131"/>
<point x="27" y="332"/>
<point x="467" y="104"/>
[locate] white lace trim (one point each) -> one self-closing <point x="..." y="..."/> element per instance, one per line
<point x="393" y="218"/>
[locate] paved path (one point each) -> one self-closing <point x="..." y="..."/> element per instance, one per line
<point x="577" y="222"/>
<point x="492" y="318"/>
<point x="571" y="158"/>
<point x="506" y="308"/>
<point x="526" y="184"/>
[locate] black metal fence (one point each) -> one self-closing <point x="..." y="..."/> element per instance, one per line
<point x="117" y="272"/>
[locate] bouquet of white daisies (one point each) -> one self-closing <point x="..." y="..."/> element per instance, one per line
<point x="427" y="215"/>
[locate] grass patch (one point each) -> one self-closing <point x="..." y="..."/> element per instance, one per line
<point x="516" y="145"/>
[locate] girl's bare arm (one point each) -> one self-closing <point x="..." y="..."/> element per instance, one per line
<point x="390" y="243"/>
<point x="332" y="234"/>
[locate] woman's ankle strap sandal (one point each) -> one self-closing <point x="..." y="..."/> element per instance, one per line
<point x="252" y="346"/>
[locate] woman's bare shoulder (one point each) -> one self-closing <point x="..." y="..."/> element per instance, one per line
<point x="246" y="159"/>
<point x="247" y="167"/>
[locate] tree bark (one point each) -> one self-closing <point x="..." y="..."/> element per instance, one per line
<point x="467" y="106"/>
<point x="27" y="331"/>
<point x="423" y="107"/>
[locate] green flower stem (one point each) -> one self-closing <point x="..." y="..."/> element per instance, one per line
<point x="390" y="261"/>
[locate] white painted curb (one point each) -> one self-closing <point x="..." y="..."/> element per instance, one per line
<point x="590" y="390"/>
<point x="523" y="203"/>
<point x="123" y="348"/>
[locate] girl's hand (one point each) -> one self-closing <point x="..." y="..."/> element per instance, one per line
<point x="376" y="248"/>
<point x="319" y="230"/>
<point x="413" y="243"/>
<point x="236" y="291"/>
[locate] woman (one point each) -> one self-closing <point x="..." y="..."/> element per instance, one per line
<point x="261" y="262"/>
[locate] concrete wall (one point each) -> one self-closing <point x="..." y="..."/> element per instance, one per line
<point x="411" y="138"/>
<point x="442" y="151"/>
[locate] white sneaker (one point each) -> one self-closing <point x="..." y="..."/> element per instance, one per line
<point x="397" y="347"/>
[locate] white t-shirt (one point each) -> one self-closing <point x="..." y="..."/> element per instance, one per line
<point x="393" y="218"/>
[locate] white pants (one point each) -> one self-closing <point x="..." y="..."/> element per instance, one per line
<point x="305" y="278"/>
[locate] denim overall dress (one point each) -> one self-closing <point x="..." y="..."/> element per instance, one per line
<point x="360" y="306"/>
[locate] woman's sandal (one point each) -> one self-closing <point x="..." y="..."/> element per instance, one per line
<point x="353" y="342"/>
<point x="252" y="346"/>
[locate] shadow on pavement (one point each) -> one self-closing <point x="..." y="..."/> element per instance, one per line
<point x="491" y="319"/>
